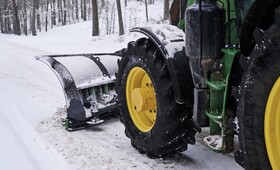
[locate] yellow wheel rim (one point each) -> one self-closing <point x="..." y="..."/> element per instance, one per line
<point x="141" y="99"/>
<point x="272" y="126"/>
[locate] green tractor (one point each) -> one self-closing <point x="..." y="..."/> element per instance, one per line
<point x="219" y="67"/>
<point x="221" y="71"/>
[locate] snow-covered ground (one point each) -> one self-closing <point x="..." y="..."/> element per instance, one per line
<point x="32" y="101"/>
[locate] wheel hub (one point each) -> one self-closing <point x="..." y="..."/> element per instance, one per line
<point x="272" y="126"/>
<point x="141" y="99"/>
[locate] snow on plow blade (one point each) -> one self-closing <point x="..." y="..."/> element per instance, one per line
<point x="88" y="85"/>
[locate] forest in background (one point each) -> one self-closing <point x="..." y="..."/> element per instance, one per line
<point x="27" y="17"/>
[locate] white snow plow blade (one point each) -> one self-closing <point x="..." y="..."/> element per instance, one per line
<point x="88" y="84"/>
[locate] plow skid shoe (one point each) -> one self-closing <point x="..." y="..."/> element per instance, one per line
<point x="87" y="81"/>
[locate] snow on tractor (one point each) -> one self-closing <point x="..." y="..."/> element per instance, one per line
<point x="219" y="67"/>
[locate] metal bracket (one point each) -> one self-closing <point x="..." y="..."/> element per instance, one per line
<point x="99" y="64"/>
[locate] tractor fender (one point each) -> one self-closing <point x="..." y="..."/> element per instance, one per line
<point x="170" y="41"/>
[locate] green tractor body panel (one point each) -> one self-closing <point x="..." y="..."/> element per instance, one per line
<point x="217" y="79"/>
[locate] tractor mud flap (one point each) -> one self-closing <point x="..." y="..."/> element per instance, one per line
<point x="87" y="81"/>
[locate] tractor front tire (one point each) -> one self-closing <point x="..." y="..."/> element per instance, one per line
<point x="156" y="124"/>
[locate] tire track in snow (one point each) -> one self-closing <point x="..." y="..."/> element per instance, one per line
<point x="106" y="147"/>
<point x="99" y="147"/>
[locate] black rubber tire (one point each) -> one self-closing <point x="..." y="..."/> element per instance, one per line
<point x="174" y="128"/>
<point x="257" y="82"/>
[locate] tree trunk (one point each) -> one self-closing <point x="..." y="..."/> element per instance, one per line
<point x="59" y="10"/>
<point x="82" y="10"/>
<point x="7" y="23"/>
<point x="53" y="13"/>
<point x="16" y="23"/>
<point x="64" y="13"/>
<point x="47" y="11"/>
<point x="38" y="16"/>
<point x="51" y="4"/>
<point x="89" y="9"/>
<point x="121" y="29"/>
<point x="2" y="24"/>
<point x="24" y="18"/>
<point x="73" y="11"/>
<point x="146" y="7"/>
<point x="166" y="9"/>
<point x="85" y="10"/>
<point x="1" y="19"/>
<point x="77" y="9"/>
<point x="95" y="24"/>
<point x="33" y="20"/>
<point x="3" y="16"/>
<point x="112" y="24"/>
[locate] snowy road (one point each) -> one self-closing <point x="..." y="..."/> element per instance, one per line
<point x="23" y="103"/>
<point x="31" y="133"/>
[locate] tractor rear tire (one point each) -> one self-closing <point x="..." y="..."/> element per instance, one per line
<point x="259" y="133"/>
<point x="172" y="128"/>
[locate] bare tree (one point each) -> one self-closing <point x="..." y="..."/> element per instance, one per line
<point x="64" y="13"/>
<point x="121" y="29"/>
<point x="6" y="15"/>
<point x="1" y="18"/>
<point x="146" y="7"/>
<point x="89" y="9"/>
<point x="59" y="8"/>
<point x="82" y="9"/>
<point x="112" y="24"/>
<point x="166" y="9"/>
<point x="16" y="23"/>
<point x="53" y="18"/>
<point x="38" y="16"/>
<point x="95" y="23"/>
<point x="24" y="18"/>
<point x="33" y="19"/>
<point x="77" y="9"/>
<point x="46" y="19"/>
<point x="85" y="10"/>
